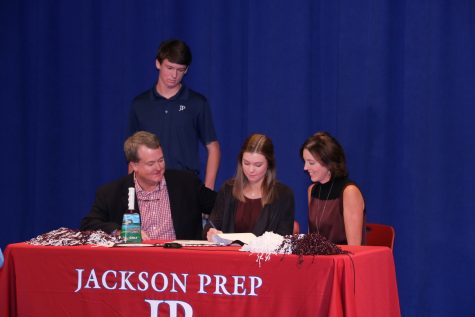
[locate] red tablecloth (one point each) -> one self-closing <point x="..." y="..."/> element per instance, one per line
<point x="195" y="281"/>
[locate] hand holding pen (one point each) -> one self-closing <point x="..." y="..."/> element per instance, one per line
<point x="212" y="231"/>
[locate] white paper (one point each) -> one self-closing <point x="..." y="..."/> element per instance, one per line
<point x="195" y="243"/>
<point x="228" y="238"/>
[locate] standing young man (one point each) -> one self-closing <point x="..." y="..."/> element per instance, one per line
<point x="179" y="116"/>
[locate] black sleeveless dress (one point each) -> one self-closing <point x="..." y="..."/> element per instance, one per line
<point x="325" y="214"/>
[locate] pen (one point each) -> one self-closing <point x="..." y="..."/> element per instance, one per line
<point x="212" y="224"/>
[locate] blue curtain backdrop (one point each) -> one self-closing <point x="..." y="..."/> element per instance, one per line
<point x="394" y="81"/>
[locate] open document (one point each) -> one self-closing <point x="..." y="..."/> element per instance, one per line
<point x="234" y="238"/>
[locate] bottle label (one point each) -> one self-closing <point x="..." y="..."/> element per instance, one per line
<point x="131" y="230"/>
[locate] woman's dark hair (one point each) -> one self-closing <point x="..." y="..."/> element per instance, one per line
<point x="328" y="152"/>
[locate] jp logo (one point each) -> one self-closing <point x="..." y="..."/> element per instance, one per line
<point x="173" y="304"/>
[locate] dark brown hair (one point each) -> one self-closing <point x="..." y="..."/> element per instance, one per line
<point x="176" y="51"/>
<point x="328" y="152"/>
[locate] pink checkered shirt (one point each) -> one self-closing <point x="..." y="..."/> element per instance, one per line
<point x="155" y="212"/>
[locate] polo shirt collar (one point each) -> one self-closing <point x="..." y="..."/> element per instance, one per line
<point x="177" y="96"/>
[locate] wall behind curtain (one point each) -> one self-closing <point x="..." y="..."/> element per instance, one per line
<point x="392" y="80"/>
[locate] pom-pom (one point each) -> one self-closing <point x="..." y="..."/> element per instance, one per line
<point x="69" y="237"/>
<point x="301" y="245"/>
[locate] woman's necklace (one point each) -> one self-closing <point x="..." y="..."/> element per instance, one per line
<point x="317" y="220"/>
<point x="252" y="193"/>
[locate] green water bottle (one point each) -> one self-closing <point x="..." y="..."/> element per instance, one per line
<point x="131" y="228"/>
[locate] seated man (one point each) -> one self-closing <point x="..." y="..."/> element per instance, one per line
<point x="170" y="202"/>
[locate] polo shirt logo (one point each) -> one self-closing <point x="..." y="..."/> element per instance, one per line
<point x="182" y="107"/>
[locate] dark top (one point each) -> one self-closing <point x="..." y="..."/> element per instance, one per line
<point x="247" y="214"/>
<point x="188" y="199"/>
<point x="180" y="123"/>
<point x="277" y="217"/>
<point x="326" y="210"/>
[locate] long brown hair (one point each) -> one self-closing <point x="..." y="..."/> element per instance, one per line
<point x="261" y="144"/>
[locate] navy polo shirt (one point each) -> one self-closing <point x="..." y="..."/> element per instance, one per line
<point x="181" y="123"/>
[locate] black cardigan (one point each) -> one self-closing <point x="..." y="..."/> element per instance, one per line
<point x="277" y="217"/>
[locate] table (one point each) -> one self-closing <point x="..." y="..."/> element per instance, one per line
<point x="194" y="281"/>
